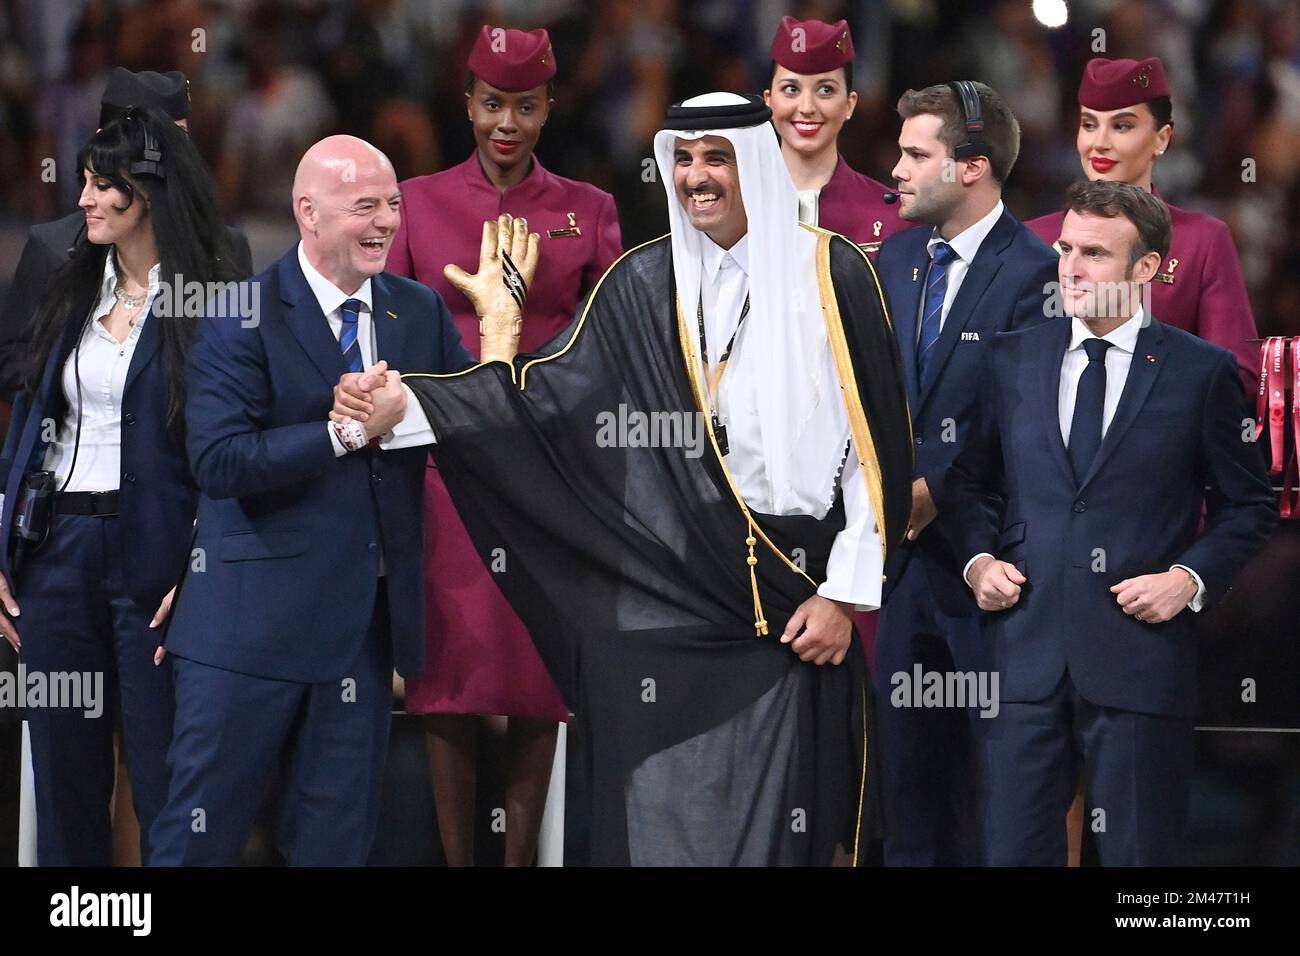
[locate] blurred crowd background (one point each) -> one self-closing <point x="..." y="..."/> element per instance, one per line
<point x="271" y="76"/>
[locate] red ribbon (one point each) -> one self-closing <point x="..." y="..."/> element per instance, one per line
<point x="1290" y="501"/>
<point x="1270" y="404"/>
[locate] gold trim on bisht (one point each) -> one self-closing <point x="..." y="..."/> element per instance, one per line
<point x="863" y="441"/>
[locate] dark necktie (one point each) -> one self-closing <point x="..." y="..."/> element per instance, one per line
<point x="1089" y="406"/>
<point x="936" y="286"/>
<point x="348" y="341"/>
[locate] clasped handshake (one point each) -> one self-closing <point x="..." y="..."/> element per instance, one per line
<point x="507" y="263"/>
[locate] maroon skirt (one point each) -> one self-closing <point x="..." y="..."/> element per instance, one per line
<point x="479" y="658"/>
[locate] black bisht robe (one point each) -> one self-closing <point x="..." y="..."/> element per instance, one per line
<point x="629" y="567"/>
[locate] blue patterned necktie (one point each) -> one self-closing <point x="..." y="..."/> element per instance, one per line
<point x="936" y="286"/>
<point x="1089" y="406"/>
<point x="348" y="337"/>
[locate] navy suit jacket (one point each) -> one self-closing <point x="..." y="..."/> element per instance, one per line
<point x="1006" y="287"/>
<point x="1180" y="427"/>
<point x="158" y="494"/>
<point x="292" y="536"/>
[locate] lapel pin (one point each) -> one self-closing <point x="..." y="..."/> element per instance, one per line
<point x="1151" y="359"/>
<point x="393" y="314"/>
<point x="916" y="271"/>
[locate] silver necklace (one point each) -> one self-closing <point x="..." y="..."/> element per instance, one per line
<point x="130" y="301"/>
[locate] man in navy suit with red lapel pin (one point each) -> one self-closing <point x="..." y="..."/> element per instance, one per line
<point x="951" y="288"/>
<point x="1078" y="502"/>
<point x="284" y="641"/>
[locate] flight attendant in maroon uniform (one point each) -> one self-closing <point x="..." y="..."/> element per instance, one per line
<point x="481" y="660"/>
<point x="1125" y="124"/>
<point x="811" y="97"/>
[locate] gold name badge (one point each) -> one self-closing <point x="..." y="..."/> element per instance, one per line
<point x="869" y="246"/>
<point x="1167" y="277"/>
<point x="573" y="229"/>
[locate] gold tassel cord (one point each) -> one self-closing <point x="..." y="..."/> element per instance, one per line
<point x="760" y="622"/>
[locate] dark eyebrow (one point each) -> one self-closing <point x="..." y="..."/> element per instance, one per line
<point x="718" y="153"/>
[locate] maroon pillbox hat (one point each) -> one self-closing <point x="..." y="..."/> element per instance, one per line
<point x="512" y="60"/>
<point x="811" y="46"/>
<point x="1113" y="84"/>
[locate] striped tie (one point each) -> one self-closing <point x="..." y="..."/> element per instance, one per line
<point x="348" y="337"/>
<point x="936" y="286"/>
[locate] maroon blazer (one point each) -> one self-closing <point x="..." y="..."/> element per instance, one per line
<point x="853" y="205"/>
<point x="442" y="222"/>
<point x="1199" y="287"/>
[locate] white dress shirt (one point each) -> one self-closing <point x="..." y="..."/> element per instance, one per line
<point x="102" y="363"/>
<point x="809" y="205"/>
<point x="1118" y="359"/>
<point x="966" y="244"/>
<point x="854" y="571"/>
<point x="331" y="298"/>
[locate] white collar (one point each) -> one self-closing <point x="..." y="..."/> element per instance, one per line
<point x="327" y="293"/>
<point x="1123" y="337"/>
<point x="109" y="281"/>
<point x="714" y="254"/>
<point x="967" y="242"/>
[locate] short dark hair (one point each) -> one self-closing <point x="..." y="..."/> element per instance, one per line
<point x="469" y="86"/>
<point x="1001" y="130"/>
<point x="847" y="68"/>
<point x="1146" y="211"/>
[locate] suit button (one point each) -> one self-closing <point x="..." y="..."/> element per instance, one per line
<point x="129" y="418"/>
<point x="1080" y="507"/>
<point x="129" y="476"/>
<point x="920" y="440"/>
<point x="372" y="547"/>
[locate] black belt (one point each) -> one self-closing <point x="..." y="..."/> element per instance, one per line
<point x="99" y="504"/>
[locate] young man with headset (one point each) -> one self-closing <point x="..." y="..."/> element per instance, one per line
<point x="952" y="288"/>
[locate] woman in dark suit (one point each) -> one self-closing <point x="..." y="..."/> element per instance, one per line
<point x="102" y="416"/>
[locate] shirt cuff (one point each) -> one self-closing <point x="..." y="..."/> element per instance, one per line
<point x="339" y="450"/>
<point x="414" y="428"/>
<point x="1198" y="599"/>
<point x="966" y="570"/>
<point x="855" y="569"/>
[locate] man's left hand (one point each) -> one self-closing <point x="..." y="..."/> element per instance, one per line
<point x="827" y="628"/>
<point x="1155" y="598"/>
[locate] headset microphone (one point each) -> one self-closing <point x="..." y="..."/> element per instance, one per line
<point x="891" y="198"/>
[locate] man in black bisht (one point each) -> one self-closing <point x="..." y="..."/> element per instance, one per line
<point x="50" y="243"/>
<point x="692" y="489"/>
